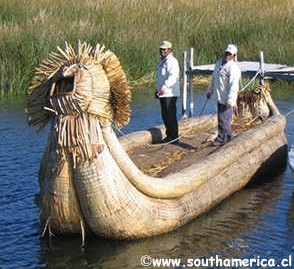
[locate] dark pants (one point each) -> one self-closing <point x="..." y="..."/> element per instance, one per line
<point x="224" y="116"/>
<point x="169" y="116"/>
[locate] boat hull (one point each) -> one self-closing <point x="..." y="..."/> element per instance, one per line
<point x="114" y="199"/>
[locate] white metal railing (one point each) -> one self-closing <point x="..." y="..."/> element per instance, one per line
<point x="191" y="71"/>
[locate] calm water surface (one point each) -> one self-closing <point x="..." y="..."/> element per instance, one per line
<point x="256" y="221"/>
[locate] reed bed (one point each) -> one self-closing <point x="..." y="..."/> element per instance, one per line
<point x="30" y="30"/>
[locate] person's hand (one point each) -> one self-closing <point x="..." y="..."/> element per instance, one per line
<point x="208" y="95"/>
<point x="160" y="92"/>
<point x="228" y="105"/>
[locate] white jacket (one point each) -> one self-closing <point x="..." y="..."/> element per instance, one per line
<point x="225" y="82"/>
<point x="168" y="73"/>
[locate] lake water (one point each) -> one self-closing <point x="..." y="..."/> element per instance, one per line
<point x="256" y="222"/>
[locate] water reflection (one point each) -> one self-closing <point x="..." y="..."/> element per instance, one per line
<point x="290" y="223"/>
<point x="220" y="231"/>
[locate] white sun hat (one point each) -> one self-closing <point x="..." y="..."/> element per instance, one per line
<point x="231" y="49"/>
<point x="165" y="45"/>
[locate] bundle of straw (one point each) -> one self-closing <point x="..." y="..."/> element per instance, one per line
<point x="51" y="71"/>
<point x="252" y="104"/>
<point x="78" y="89"/>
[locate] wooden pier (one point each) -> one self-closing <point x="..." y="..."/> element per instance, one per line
<point x="259" y="69"/>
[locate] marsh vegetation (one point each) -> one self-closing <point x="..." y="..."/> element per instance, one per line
<point x="30" y="30"/>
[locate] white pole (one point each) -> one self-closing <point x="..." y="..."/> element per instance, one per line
<point x="191" y="62"/>
<point x="191" y="65"/>
<point x="261" y="67"/>
<point x="184" y="86"/>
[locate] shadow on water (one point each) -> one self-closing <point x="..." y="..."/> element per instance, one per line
<point x="273" y="166"/>
<point x="218" y="231"/>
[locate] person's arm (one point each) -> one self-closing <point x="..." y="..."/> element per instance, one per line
<point x="210" y="89"/>
<point x="211" y="85"/>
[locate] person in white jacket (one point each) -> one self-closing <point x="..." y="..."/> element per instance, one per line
<point x="225" y="86"/>
<point x="168" y="89"/>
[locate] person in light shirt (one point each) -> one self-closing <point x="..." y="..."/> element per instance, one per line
<point x="168" y="89"/>
<point x="224" y="87"/>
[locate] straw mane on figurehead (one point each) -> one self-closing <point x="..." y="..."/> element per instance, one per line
<point x="77" y="88"/>
<point x="69" y="62"/>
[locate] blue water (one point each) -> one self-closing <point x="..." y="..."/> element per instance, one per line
<point x="256" y="221"/>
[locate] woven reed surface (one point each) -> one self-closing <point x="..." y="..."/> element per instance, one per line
<point x="160" y="161"/>
<point x="58" y="201"/>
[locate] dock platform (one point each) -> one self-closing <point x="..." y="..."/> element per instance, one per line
<point x="249" y="69"/>
<point x="259" y="69"/>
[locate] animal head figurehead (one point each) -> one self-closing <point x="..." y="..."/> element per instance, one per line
<point x="72" y="82"/>
<point x="77" y="84"/>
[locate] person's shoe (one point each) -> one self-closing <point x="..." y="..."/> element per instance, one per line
<point x="165" y="140"/>
<point x="169" y="140"/>
<point x="216" y="143"/>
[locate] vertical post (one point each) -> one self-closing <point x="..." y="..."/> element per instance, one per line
<point x="191" y="57"/>
<point x="261" y="68"/>
<point x="184" y="86"/>
<point x="191" y="65"/>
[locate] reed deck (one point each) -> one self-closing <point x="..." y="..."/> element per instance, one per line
<point x="163" y="159"/>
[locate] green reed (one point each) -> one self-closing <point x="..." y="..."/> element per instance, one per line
<point x="133" y="29"/>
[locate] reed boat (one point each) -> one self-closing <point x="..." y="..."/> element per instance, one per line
<point x="130" y="187"/>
